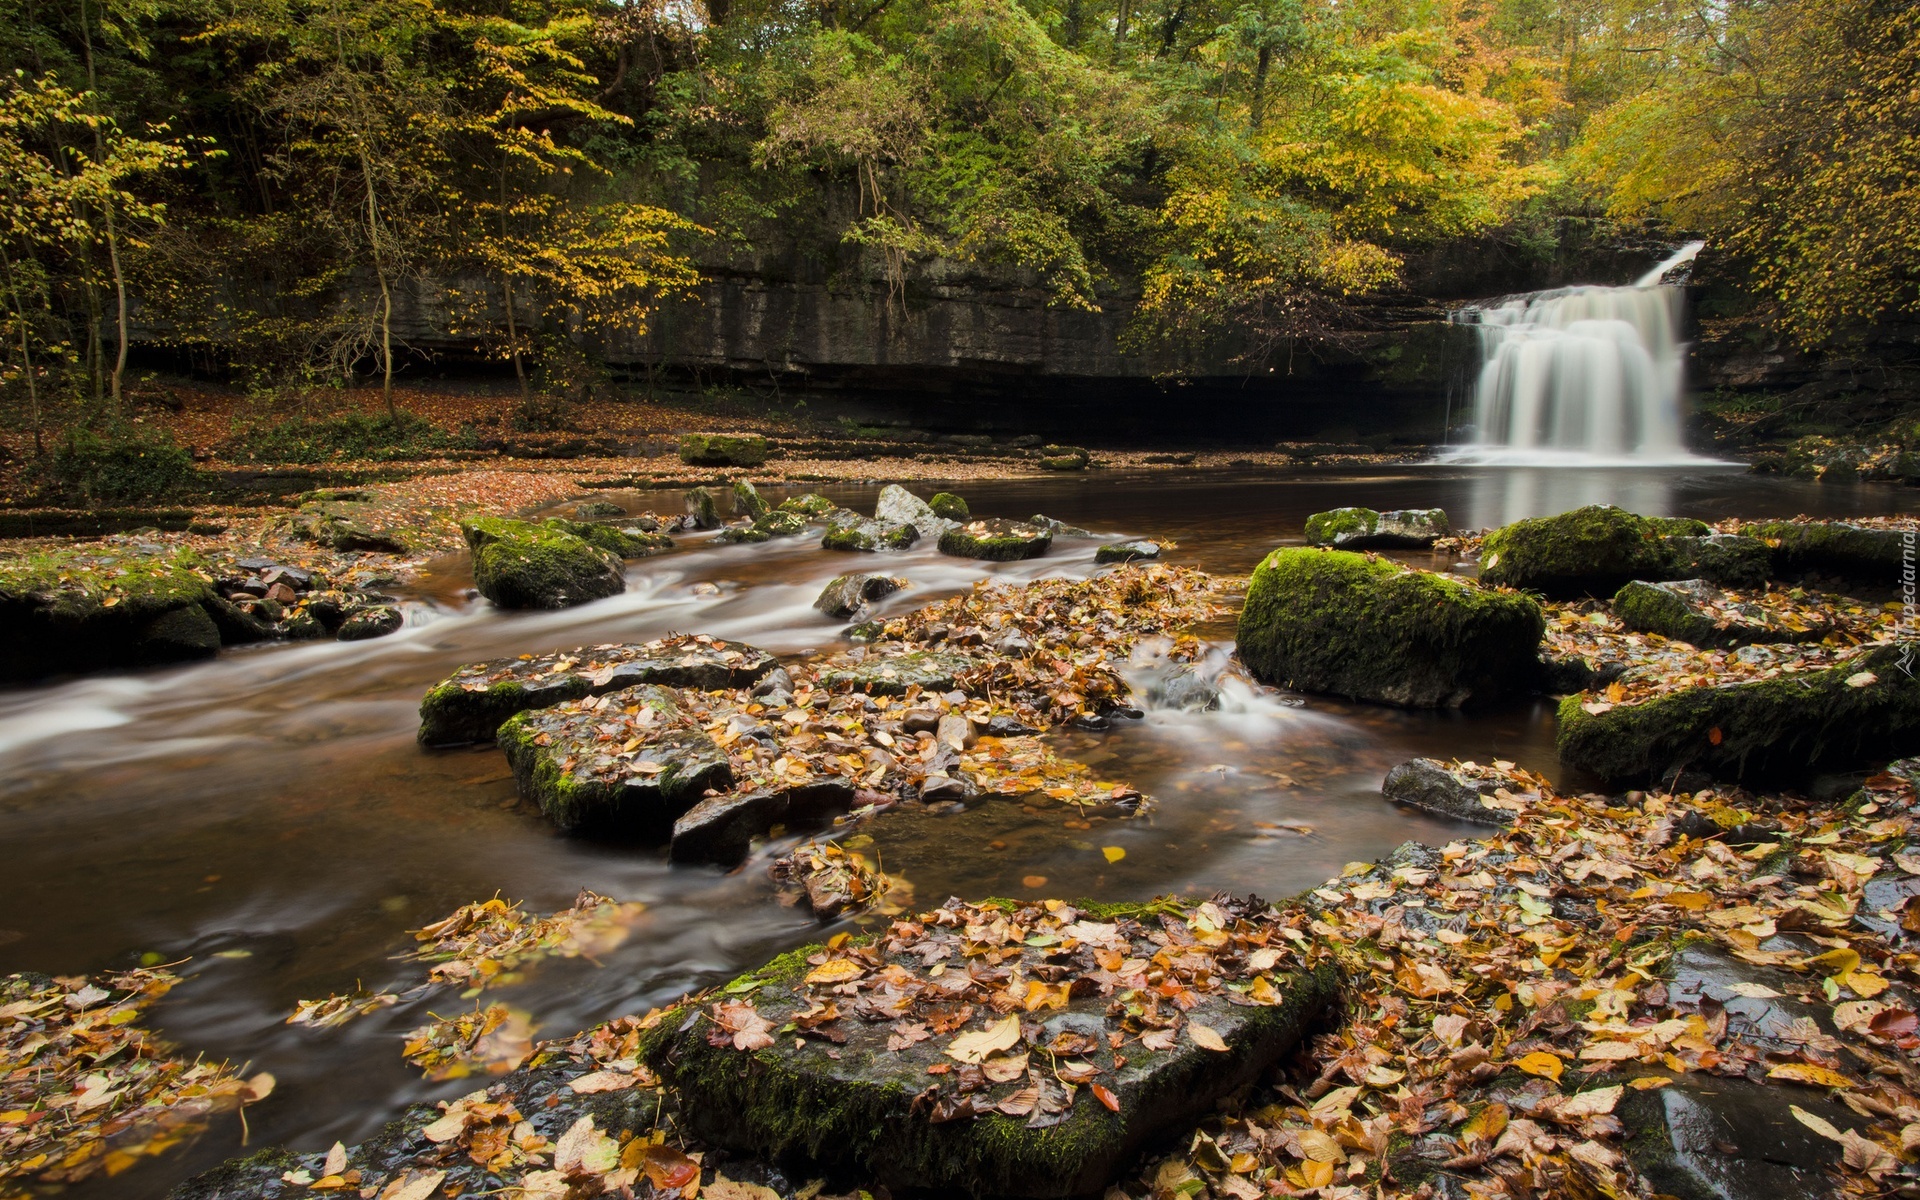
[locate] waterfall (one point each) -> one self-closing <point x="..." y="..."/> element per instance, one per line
<point x="1579" y="375"/>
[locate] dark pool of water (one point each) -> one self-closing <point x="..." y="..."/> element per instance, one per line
<point x="267" y="817"/>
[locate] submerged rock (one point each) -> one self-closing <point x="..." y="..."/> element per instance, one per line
<point x="1368" y="629"/>
<point x="517" y="564"/>
<point x="626" y="763"/>
<point x="1431" y="786"/>
<point x="1590" y="551"/>
<point x="1365" y="529"/>
<point x="1863" y="710"/>
<point x="846" y="595"/>
<point x="723" y="449"/>
<point x="1693" y="610"/>
<point x="996" y="540"/>
<point x="598" y="510"/>
<point x="1126" y="552"/>
<point x="473" y="702"/>
<point x="857" y="1094"/>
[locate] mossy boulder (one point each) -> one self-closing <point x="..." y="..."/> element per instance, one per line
<point x="996" y="540"/>
<point x="864" y="534"/>
<point x="1434" y="787"/>
<point x="517" y="564"/>
<point x="365" y="624"/>
<point x="1864" y="710"/>
<point x="567" y="760"/>
<point x="1695" y="611"/>
<point x="473" y="702"/>
<point x="1368" y="629"/>
<point x="625" y="543"/>
<point x="1126" y="552"/>
<point x="813" y="504"/>
<point x="724" y="449"/>
<point x="1365" y="529"/>
<point x="1874" y="556"/>
<point x="868" y="1106"/>
<point x="1064" y="458"/>
<point x="68" y="611"/>
<point x="949" y="506"/>
<point x="703" y="512"/>
<point x="748" y="502"/>
<point x="1729" y="560"/>
<point x="1590" y="551"/>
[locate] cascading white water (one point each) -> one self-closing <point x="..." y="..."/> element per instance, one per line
<point x="1581" y="375"/>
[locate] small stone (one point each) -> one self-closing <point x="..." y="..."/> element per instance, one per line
<point x="847" y="595"/>
<point x="1431" y="786"/>
<point x="1126" y="552"/>
<point x="366" y="623"/>
<point x="282" y="594"/>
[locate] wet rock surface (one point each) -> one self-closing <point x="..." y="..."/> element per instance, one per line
<point x="1696" y="611"/>
<point x="996" y="540"/>
<point x="473" y="702"/>
<point x="1365" y="529"/>
<point x="1126" y="552"/>
<point x="1445" y="791"/>
<point x="518" y="564"/>
<point x="724" y="449"/>
<point x="846" y="596"/>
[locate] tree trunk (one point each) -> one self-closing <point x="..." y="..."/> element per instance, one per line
<point x="513" y="342"/>
<point x="120" y="302"/>
<point x="1257" y="109"/>
<point x="26" y="353"/>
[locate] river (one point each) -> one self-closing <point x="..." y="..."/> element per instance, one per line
<point x="267" y="820"/>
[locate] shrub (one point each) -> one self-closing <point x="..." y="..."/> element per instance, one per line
<point x="351" y="436"/>
<point x="95" y="469"/>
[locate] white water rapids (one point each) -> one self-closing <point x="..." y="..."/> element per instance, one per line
<point x="1582" y="375"/>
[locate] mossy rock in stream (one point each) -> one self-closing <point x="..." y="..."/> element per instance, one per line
<point x="880" y="674"/>
<point x="1695" y="611"/>
<point x="1590" y="551"/>
<point x="343" y="525"/>
<point x="724" y="449"/>
<point x="949" y="507"/>
<point x="813" y="504"/>
<point x="626" y="543"/>
<point x="866" y="1108"/>
<point x="702" y="511"/>
<point x="748" y="502"/>
<point x="1368" y="629"/>
<point x="1873" y="556"/>
<point x="583" y="780"/>
<point x="1729" y="560"/>
<point x="69" y="610"/>
<point x="1859" y="712"/>
<point x="1363" y="528"/>
<point x="996" y="540"/>
<point x="517" y="564"/>
<point x="869" y="535"/>
<point x="473" y="702"/>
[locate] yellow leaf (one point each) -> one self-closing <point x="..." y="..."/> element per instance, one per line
<point x="1321" y="1148"/>
<point x="838" y="970"/>
<point x="1541" y="1063"/>
<point x="1647" y="1082"/>
<point x="974" y="1047"/>
<point x="1206" y="1037"/>
<point x="1809" y="1074"/>
<point x="1114" y="853"/>
<point x="1316" y="1173"/>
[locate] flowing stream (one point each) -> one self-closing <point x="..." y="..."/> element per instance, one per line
<point x="1584" y="375"/>
<point x="267" y="821"/>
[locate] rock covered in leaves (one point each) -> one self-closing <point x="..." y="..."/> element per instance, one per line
<point x="846" y="596"/>
<point x="1840" y="549"/>
<point x="1460" y="791"/>
<point x="1369" y="629"/>
<point x="627" y="762"/>
<point x="996" y="540"/>
<point x="473" y="702"/>
<point x="1695" y="611"/>
<point x="1365" y="529"/>
<point x="518" y="564"/>
<point x="894" y="671"/>
<point x="995" y="1049"/>
<point x="1841" y="717"/>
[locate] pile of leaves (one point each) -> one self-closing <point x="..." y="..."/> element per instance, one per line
<point x="495" y="1039"/>
<point x="832" y="879"/>
<point x="487" y="944"/>
<point x="84" y="1090"/>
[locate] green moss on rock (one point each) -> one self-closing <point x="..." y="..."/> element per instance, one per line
<point x="1862" y="711"/>
<point x="996" y="540"/>
<point x="74" y="610"/>
<point x="723" y="449"/>
<point x="812" y="504"/>
<point x="1832" y="548"/>
<point x="517" y="564"/>
<point x="1363" y="528"/>
<point x="748" y="502"/>
<point x="1590" y="551"/>
<point x="949" y="506"/>
<point x="1368" y="629"/>
<point x="624" y="543"/>
<point x="1723" y="558"/>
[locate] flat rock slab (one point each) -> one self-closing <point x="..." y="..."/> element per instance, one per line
<point x="1365" y="529"/>
<point x="472" y="703"/>
<point x="627" y="762"/>
<point x="917" y="1080"/>
<point x="880" y="673"/>
<point x="720" y="829"/>
<point x="1126" y="552"/>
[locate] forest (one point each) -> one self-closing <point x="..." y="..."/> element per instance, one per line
<point x="251" y="186"/>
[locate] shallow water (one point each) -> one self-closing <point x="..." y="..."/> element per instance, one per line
<point x="267" y="817"/>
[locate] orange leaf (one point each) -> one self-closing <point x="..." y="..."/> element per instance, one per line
<point x="1106" y="1097"/>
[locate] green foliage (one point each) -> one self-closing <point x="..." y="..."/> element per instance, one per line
<point x="352" y="436"/>
<point x="93" y="469"/>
